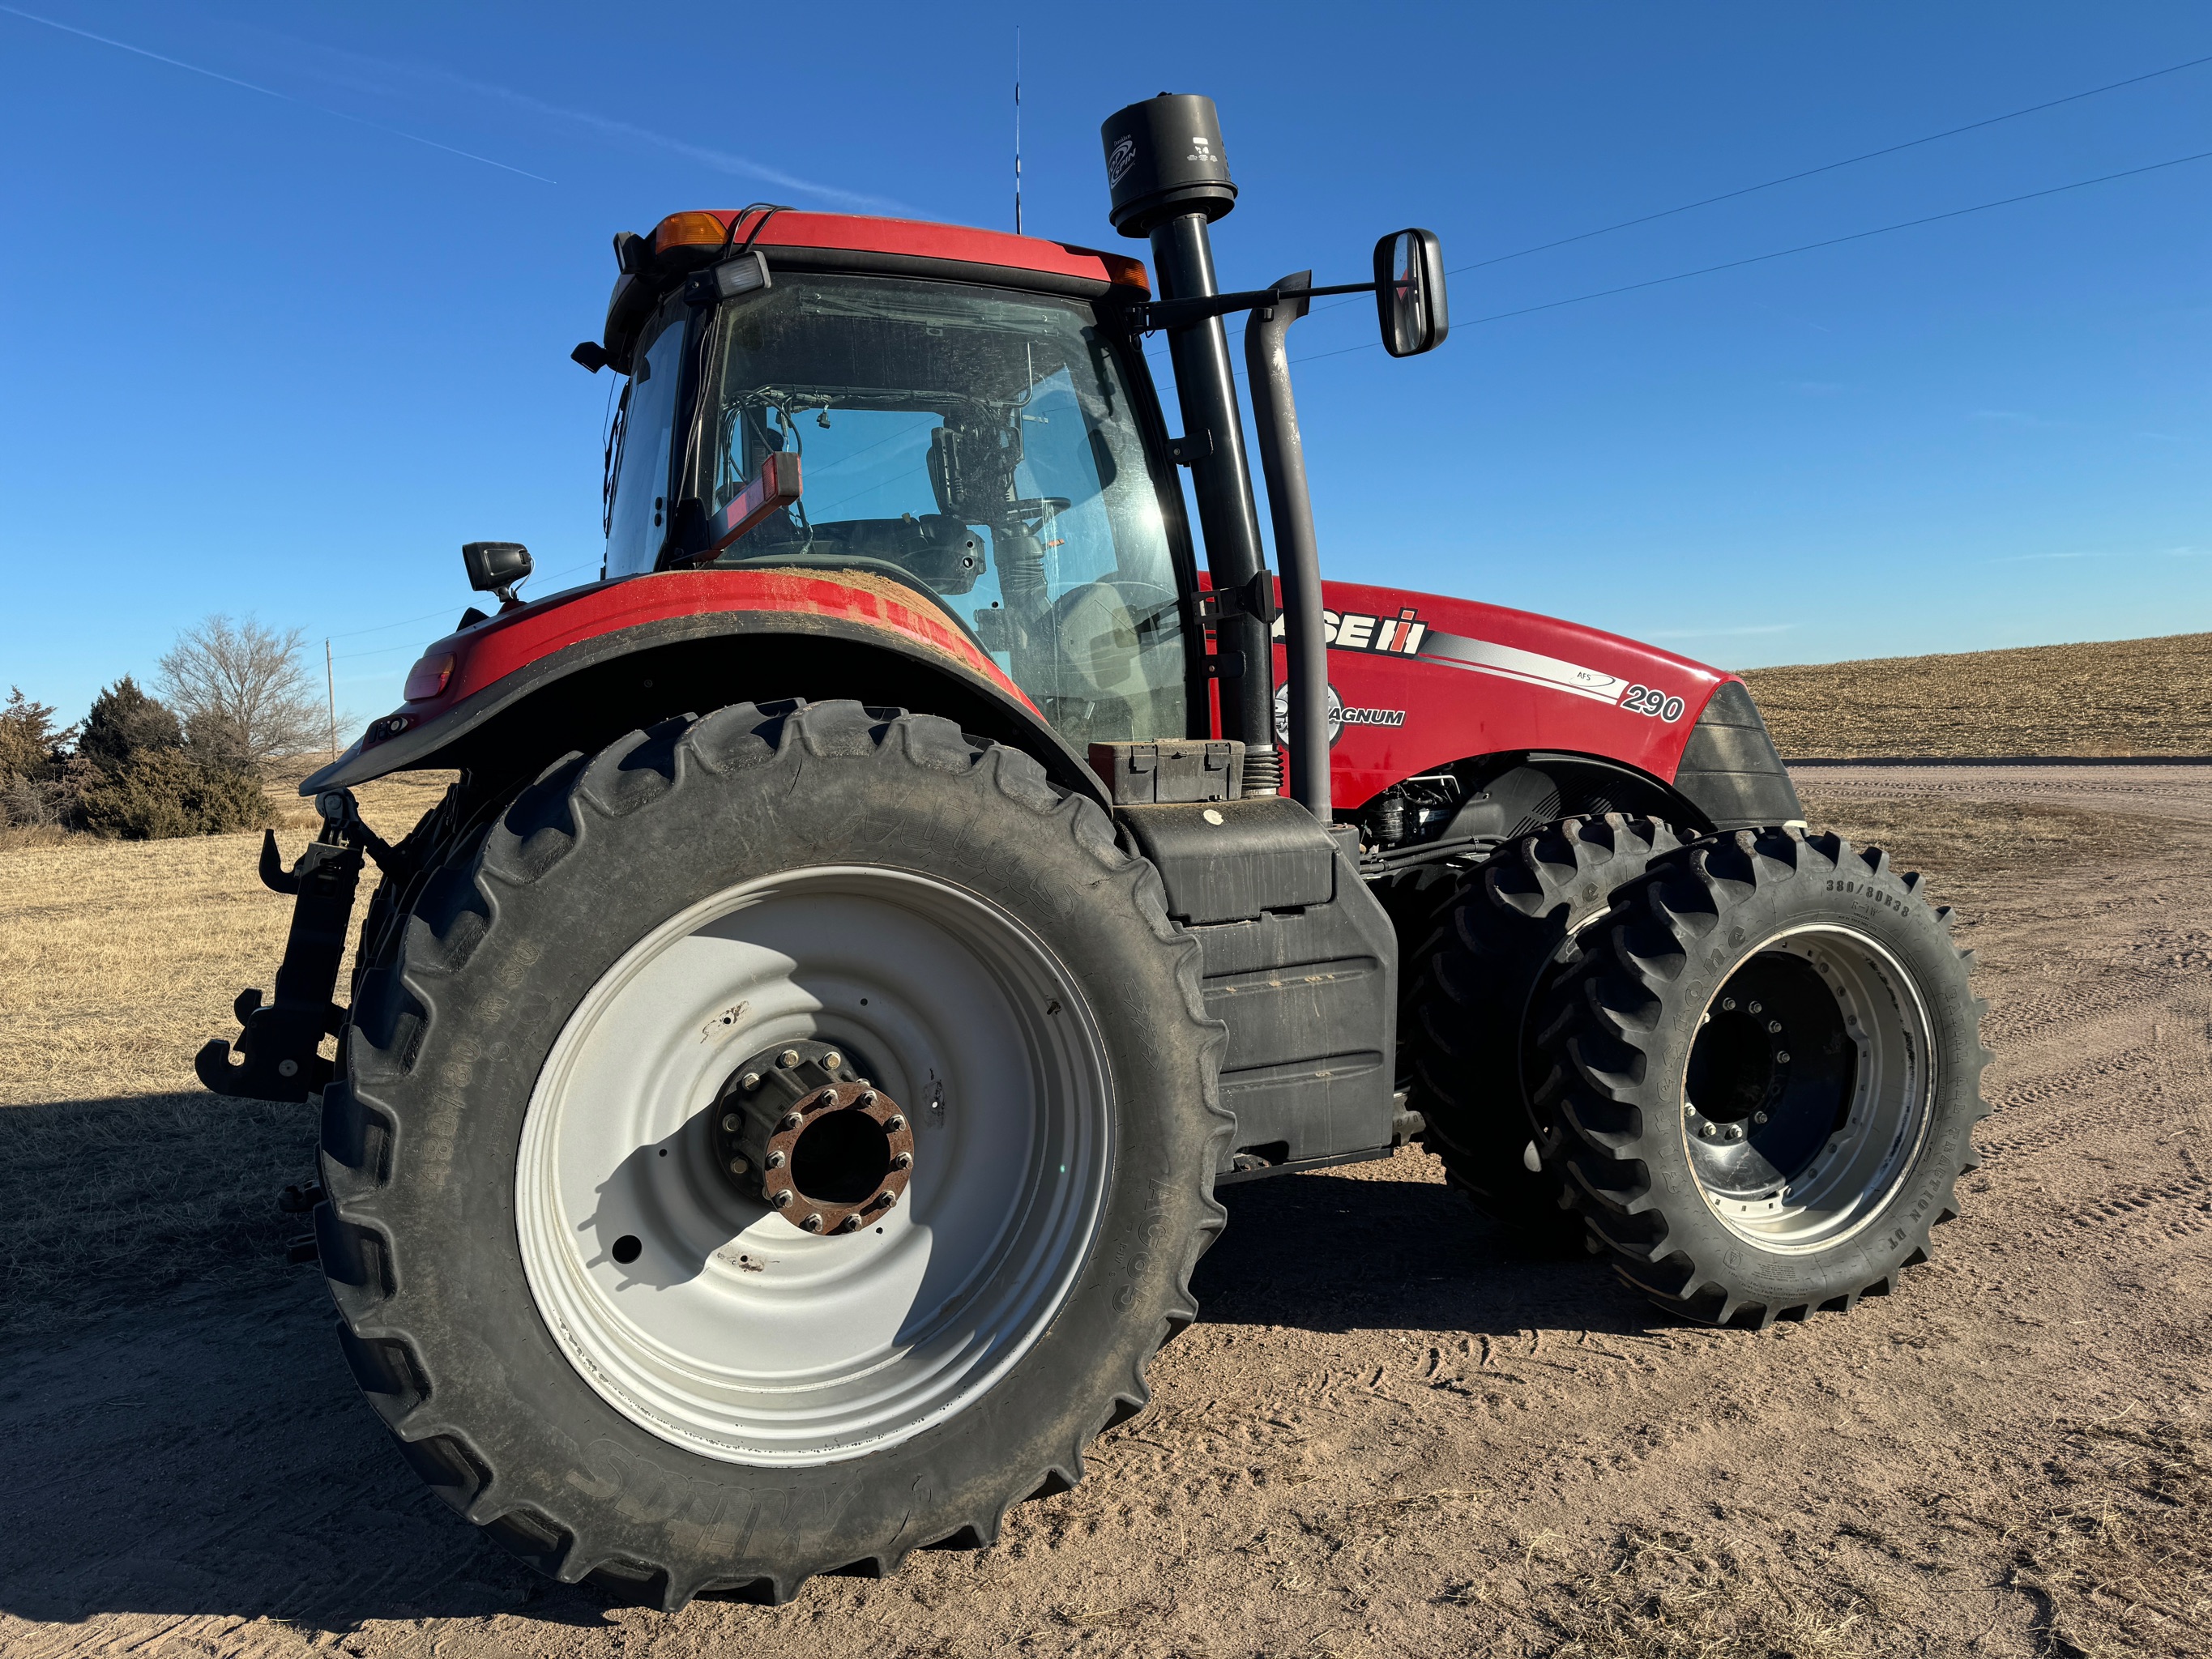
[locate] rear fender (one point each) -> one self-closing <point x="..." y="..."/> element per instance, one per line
<point x="575" y="671"/>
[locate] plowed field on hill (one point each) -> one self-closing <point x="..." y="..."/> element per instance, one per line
<point x="2117" y="697"/>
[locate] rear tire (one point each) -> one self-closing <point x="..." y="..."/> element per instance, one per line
<point x="1511" y="931"/>
<point x="597" y="1344"/>
<point x="1769" y="1067"/>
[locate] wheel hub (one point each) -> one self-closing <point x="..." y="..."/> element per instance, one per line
<point x="799" y="1128"/>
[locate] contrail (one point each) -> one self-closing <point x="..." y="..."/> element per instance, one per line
<point x="282" y="97"/>
<point x="720" y="161"/>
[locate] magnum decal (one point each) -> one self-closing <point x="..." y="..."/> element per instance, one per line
<point x="1339" y="715"/>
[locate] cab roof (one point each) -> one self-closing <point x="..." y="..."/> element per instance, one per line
<point x="653" y="265"/>
<point x="900" y="239"/>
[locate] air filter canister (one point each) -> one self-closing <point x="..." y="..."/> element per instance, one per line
<point x="1164" y="157"/>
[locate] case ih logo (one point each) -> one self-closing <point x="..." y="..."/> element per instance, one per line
<point x="1398" y="636"/>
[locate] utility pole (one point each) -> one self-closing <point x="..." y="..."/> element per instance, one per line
<point x="330" y="686"/>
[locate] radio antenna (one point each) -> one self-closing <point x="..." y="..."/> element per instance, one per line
<point x="1018" y="129"/>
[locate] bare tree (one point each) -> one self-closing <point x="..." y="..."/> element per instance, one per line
<point x="243" y="691"/>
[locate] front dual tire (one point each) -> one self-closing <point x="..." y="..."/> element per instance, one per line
<point x="621" y="1360"/>
<point x="1767" y="1067"/>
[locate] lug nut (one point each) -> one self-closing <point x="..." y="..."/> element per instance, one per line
<point x="1705" y="1131"/>
<point x="827" y="1098"/>
<point x="904" y="1161"/>
<point x="832" y="1060"/>
<point x="1728" y="1002"/>
<point x="1758" y="1117"/>
<point x="1756" y="1009"/>
<point x="1773" y="1024"/>
<point x="787" y="1059"/>
<point x="1735" y="1132"/>
<point x="850" y="1224"/>
<point x="791" y="1122"/>
<point x="1782" y="1056"/>
<point x="739" y="1166"/>
<point x="813" y="1222"/>
<point x="782" y="1199"/>
<point x="894" y="1124"/>
<point x="775" y="1160"/>
<point x="867" y="1099"/>
<point x="731" y="1123"/>
<point x="749" y="1082"/>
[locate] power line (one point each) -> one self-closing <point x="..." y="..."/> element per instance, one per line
<point x="1779" y="253"/>
<point x="1791" y="178"/>
<point x="1831" y="167"/>
<point x="442" y="611"/>
<point x="1784" y="253"/>
<point x="1832" y="242"/>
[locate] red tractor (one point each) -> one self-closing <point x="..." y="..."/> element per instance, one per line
<point x="786" y="1080"/>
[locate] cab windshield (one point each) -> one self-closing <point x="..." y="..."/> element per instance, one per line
<point x="978" y="444"/>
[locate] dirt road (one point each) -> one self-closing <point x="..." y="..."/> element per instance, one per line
<point x="1388" y="1434"/>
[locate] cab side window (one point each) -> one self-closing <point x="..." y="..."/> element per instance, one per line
<point x="642" y="507"/>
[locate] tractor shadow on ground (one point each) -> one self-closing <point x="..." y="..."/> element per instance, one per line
<point x="179" y="1435"/>
<point x="199" y="1449"/>
<point x="1356" y="1250"/>
<point x="208" y="1454"/>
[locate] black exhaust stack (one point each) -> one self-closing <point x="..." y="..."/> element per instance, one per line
<point x="1169" y="180"/>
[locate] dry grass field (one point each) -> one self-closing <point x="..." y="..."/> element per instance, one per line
<point x="117" y="959"/>
<point x="2120" y="698"/>
<point x="1389" y="1433"/>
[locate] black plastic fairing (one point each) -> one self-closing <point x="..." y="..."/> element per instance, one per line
<point x="1730" y="768"/>
<point x="1301" y="964"/>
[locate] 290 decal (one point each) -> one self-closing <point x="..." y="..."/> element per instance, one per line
<point x="1650" y="700"/>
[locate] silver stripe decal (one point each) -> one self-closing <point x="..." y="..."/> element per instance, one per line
<point x="1530" y="667"/>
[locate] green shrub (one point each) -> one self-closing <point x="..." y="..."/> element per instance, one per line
<point x="126" y="723"/>
<point x="29" y="739"/>
<point x="163" y="793"/>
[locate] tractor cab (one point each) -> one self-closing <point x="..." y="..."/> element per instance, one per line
<point x="996" y="448"/>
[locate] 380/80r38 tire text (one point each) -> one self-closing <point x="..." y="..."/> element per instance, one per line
<point x="1769" y="1068"/>
<point x="565" y="1282"/>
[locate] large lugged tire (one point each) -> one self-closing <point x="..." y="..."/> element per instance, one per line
<point x="594" y="1340"/>
<point x="1769" y="1064"/>
<point x="1515" y="928"/>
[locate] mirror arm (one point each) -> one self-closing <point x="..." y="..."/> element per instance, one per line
<point x="1157" y="314"/>
<point x="1282" y="460"/>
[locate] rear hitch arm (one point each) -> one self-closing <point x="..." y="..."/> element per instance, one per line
<point x="278" y="1044"/>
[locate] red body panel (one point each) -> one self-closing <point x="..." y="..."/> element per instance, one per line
<point x="492" y="650"/>
<point x="1425" y="680"/>
<point x="1421" y="680"/>
<point x="919" y="239"/>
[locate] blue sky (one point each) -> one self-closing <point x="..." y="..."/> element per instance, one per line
<point x="288" y="325"/>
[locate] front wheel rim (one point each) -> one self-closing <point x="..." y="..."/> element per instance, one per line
<point x="706" y="1317"/>
<point x="1808" y="1090"/>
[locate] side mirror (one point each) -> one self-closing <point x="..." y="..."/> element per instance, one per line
<point x="495" y="566"/>
<point x="1409" y="293"/>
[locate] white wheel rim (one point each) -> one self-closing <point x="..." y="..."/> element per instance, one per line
<point x="1880" y="1118"/>
<point x="731" y="1332"/>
